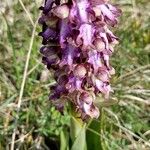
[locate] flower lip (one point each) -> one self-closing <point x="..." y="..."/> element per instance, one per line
<point x="110" y="14"/>
<point x="95" y="59"/>
<point x="85" y="37"/>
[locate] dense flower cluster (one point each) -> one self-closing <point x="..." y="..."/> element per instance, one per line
<point x="77" y="44"/>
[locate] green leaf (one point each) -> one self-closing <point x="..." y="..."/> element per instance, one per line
<point x="64" y="140"/>
<point x="75" y="128"/>
<point x="80" y="143"/>
<point x="93" y="139"/>
<point x="94" y="132"/>
<point x="78" y="134"/>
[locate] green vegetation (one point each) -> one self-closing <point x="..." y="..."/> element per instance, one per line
<point x="123" y="125"/>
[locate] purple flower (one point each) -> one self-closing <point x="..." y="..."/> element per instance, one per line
<point x="48" y="34"/>
<point x="86" y="106"/>
<point x="48" y="6"/>
<point x="108" y="12"/>
<point x="50" y="56"/>
<point x="65" y="31"/>
<point x="77" y="47"/>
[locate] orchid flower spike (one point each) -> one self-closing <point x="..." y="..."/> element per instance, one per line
<point x="77" y="45"/>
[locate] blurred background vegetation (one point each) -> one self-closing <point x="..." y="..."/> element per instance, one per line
<point x="122" y="126"/>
